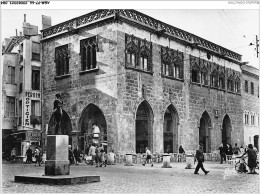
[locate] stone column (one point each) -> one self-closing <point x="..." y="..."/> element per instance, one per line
<point x="166" y="161"/>
<point x="129" y="160"/>
<point x="57" y="162"/>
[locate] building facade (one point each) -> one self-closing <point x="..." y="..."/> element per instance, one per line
<point x="22" y="91"/>
<point x="143" y="82"/>
<point x="250" y="95"/>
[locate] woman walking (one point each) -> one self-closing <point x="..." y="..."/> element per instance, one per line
<point x="251" y="159"/>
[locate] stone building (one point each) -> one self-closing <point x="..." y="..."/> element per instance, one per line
<point x="21" y="109"/>
<point x="143" y="82"/>
<point x="250" y="96"/>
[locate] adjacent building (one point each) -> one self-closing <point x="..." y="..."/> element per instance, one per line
<point x="142" y="82"/>
<point x="250" y="96"/>
<point x="22" y="91"/>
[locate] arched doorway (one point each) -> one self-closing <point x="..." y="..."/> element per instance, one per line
<point x="204" y="132"/>
<point x="92" y="115"/>
<point x="170" y="130"/>
<point x="226" y="130"/>
<point x="144" y="126"/>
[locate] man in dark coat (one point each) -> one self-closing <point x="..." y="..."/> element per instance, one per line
<point x="200" y="159"/>
<point x="29" y="155"/>
<point x="71" y="157"/>
<point x="76" y="153"/>
<point x="222" y="153"/>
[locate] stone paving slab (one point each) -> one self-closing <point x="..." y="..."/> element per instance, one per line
<point x="118" y="178"/>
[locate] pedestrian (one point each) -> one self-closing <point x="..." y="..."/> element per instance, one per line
<point x="181" y="150"/>
<point x="103" y="158"/>
<point x="71" y="157"/>
<point x="76" y="153"/>
<point x="92" y="153"/>
<point x="246" y="148"/>
<point x="236" y="150"/>
<point x="229" y="150"/>
<point x="148" y="157"/>
<point x="252" y="156"/>
<point x="222" y="153"/>
<point x="13" y="155"/>
<point x="37" y="156"/>
<point x="242" y="150"/>
<point x="200" y="159"/>
<point x="29" y="155"/>
<point x="98" y="155"/>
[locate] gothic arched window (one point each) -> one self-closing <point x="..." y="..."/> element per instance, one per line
<point x="62" y="60"/>
<point x="221" y="81"/>
<point x="214" y="79"/>
<point x="237" y="85"/>
<point x="230" y="84"/>
<point x="88" y="49"/>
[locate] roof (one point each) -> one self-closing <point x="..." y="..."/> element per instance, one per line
<point x="137" y="18"/>
<point x="250" y="70"/>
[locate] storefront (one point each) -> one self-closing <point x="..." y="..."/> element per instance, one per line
<point x="22" y="140"/>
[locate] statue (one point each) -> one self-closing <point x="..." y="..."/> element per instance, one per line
<point x="58" y="113"/>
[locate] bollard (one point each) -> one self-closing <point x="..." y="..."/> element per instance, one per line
<point x="166" y="161"/>
<point x="111" y="158"/>
<point x="129" y="160"/>
<point x="189" y="161"/>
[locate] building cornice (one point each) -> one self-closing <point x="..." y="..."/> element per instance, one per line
<point x="144" y="21"/>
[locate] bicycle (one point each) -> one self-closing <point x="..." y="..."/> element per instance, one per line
<point x="240" y="166"/>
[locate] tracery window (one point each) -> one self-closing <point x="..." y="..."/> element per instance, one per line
<point x="221" y="81"/>
<point x="88" y="52"/>
<point x="62" y="60"/>
<point x="237" y="85"/>
<point x="214" y="79"/>
<point x="204" y="76"/>
<point x="172" y="63"/>
<point x="230" y="84"/>
<point x="138" y="53"/>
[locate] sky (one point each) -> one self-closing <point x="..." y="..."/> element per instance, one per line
<point x="231" y="27"/>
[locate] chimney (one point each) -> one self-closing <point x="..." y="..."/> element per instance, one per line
<point x="46" y="22"/>
<point x="21" y="33"/>
<point x="16" y="32"/>
<point x="24" y="16"/>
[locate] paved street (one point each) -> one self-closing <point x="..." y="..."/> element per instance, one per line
<point x="138" y="179"/>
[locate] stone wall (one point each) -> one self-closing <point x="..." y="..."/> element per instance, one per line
<point x="118" y="91"/>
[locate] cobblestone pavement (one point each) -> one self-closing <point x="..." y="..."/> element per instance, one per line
<point x="118" y="178"/>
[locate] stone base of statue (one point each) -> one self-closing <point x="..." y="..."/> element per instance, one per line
<point x="57" y="162"/>
<point x="57" y="168"/>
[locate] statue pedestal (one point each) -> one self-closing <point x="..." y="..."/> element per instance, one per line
<point x="57" y="162"/>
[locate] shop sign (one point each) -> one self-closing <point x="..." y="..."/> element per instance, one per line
<point x="18" y="137"/>
<point x="33" y="136"/>
<point x="27" y="111"/>
<point x="29" y="95"/>
<point x="33" y="95"/>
